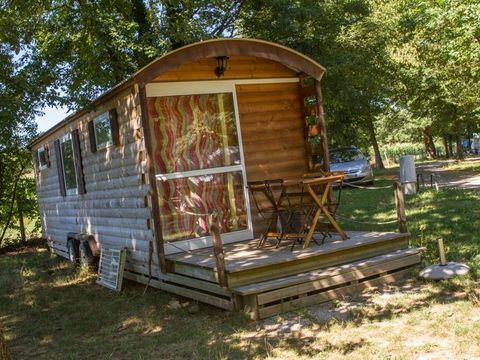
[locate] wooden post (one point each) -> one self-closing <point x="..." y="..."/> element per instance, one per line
<point x="322" y="126"/>
<point x="219" y="254"/>
<point x="152" y="180"/>
<point x="441" y="250"/>
<point x="323" y="136"/>
<point x="400" y="205"/>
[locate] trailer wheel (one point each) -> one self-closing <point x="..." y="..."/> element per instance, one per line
<point x="86" y="257"/>
<point x="73" y="250"/>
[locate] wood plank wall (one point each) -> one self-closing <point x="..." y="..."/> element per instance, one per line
<point x="239" y="67"/>
<point x="272" y="134"/>
<point x="115" y="207"/>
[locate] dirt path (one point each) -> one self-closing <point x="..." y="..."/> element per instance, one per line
<point x="445" y="177"/>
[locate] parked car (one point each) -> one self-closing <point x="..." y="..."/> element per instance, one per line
<point x="353" y="163"/>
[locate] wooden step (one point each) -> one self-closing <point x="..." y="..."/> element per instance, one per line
<point x="271" y="297"/>
<point x="316" y="275"/>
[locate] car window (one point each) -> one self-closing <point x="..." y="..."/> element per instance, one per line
<point x="347" y="155"/>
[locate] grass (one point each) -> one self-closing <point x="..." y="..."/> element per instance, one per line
<point x="51" y="310"/>
<point x="452" y="214"/>
<point x="470" y="164"/>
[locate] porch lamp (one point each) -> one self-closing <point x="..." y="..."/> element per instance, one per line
<point x="222" y="62"/>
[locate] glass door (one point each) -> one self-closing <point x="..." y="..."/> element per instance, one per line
<point x="198" y="161"/>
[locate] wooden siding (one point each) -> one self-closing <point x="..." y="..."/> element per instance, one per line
<point x="272" y="135"/>
<point x="114" y="208"/>
<point x="272" y="130"/>
<point x="239" y="67"/>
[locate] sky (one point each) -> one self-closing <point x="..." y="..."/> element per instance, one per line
<point x="52" y="116"/>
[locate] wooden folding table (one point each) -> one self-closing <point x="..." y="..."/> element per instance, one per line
<point x="320" y="200"/>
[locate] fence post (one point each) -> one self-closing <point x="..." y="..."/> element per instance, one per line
<point x="219" y="254"/>
<point x="400" y="205"/>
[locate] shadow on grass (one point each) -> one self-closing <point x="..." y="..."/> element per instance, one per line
<point x="50" y="310"/>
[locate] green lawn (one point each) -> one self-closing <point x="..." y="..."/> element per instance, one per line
<point x="52" y="311"/>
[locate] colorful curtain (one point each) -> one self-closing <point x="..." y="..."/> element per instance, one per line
<point x="195" y="132"/>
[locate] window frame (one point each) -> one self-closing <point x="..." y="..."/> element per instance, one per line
<point x="40" y="165"/>
<point x="63" y="139"/>
<point x="105" y="116"/>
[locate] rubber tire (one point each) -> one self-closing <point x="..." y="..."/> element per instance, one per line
<point x="86" y="257"/>
<point x="73" y="250"/>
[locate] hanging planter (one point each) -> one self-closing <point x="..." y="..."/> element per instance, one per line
<point x="313" y="130"/>
<point x="314" y="140"/>
<point x="310" y="100"/>
<point x="311" y="119"/>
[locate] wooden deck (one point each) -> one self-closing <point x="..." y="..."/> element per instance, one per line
<point x="270" y="280"/>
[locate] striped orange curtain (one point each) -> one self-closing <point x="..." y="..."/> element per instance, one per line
<point x="195" y="132"/>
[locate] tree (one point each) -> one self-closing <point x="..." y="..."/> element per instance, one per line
<point x="438" y="48"/>
<point x="87" y="47"/>
<point x="21" y="95"/>
<point x="67" y="52"/>
<point x="347" y="38"/>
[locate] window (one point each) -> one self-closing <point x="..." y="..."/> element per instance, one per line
<point x="103" y="131"/>
<point x="198" y="165"/>
<point x="68" y="164"/>
<point x="43" y="161"/>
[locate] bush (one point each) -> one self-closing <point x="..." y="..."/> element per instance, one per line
<point x="393" y="152"/>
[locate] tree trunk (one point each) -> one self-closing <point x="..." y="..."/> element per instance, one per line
<point x="459" y="141"/>
<point x="376" y="148"/>
<point x="445" y="145"/>
<point x="429" y="144"/>
<point x="21" y="224"/>
<point x="450" y="146"/>
<point x="4" y="353"/>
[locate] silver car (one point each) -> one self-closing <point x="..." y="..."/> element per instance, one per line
<point x="353" y="163"/>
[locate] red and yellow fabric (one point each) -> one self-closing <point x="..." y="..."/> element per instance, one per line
<point x="193" y="132"/>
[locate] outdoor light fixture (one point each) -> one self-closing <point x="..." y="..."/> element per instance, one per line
<point x="222" y="62"/>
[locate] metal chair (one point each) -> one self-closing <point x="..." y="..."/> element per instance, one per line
<point x="272" y="203"/>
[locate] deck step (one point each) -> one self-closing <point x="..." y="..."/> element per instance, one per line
<point x="316" y="275"/>
<point x="271" y="297"/>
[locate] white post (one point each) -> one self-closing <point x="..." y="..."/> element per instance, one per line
<point x="408" y="176"/>
<point x="441" y="250"/>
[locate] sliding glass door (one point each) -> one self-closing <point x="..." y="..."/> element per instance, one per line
<point x="198" y="160"/>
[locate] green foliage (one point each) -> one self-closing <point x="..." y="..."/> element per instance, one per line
<point x="439" y="49"/>
<point x="21" y="95"/>
<point x="345" y="37"/>
<point x="394" y="151"/>
<point x="86" y="47"/>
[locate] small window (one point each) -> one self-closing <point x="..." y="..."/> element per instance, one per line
<point x="103" y="131"/>
<point x="68" y="162"/>
<point x="42" y="158"/>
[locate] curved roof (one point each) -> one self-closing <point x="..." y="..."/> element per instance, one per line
<point x="202" y="50"/>
<point x="229" y="47"/>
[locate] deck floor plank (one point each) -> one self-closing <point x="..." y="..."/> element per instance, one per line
<point x="245" y="255"/>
